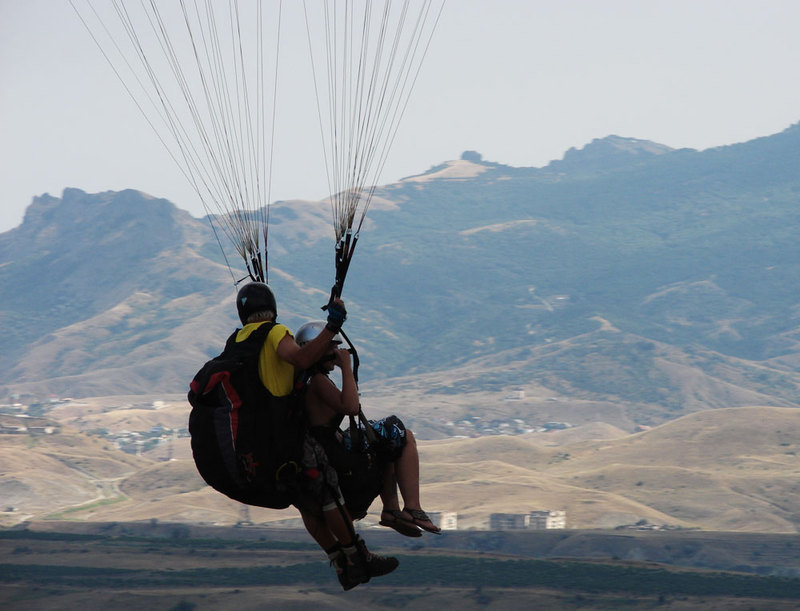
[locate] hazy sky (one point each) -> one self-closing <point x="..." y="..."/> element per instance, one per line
<point x="520" y="81"/>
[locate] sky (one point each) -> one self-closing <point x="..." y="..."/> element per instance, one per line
<point x="519" y="81"/>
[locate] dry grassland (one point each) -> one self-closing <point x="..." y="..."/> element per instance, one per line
<point x="732" y="469"/>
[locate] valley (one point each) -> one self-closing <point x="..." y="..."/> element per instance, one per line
<point x="736" y="469"/>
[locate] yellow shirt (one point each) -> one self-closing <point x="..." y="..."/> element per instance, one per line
<point x="276" y="374"/>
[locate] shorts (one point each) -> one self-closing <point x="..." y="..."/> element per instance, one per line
<point x="391" y="437"/>
<point x="319" y="484"/>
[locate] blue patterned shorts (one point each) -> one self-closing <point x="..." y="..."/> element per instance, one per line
<point x="390" y="430"/>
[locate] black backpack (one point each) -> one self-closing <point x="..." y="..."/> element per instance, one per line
<point x="246" y="442"/>
<point x="361" y="469"/>
<point x="360" y="473"/>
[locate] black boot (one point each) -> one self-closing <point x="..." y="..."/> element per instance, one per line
<point x="376" y="565"/>
<point x="350" y="570"/>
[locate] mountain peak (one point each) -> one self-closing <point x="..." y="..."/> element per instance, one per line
<point x="92" y="215"/>
<point x="608" y="153"/>
<point x="469" y="166"/>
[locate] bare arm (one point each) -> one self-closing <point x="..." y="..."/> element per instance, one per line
<point x="310" y="353"/>
<point x="344" y="401"/>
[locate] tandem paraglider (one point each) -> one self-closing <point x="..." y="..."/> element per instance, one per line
<point x="265" y="418"/>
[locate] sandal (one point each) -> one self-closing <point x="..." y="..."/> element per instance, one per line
<point x="420" y="517"/>
<point x="398" y="523"/>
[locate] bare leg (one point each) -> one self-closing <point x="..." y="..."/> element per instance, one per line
<point x="407" y="470"/>
<point x="317" y="529"/>
<point x="389" y="491"/>
<point x="339" y="524"/>
<point x="329" y="528"/>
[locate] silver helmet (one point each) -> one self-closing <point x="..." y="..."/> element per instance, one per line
<point x="310" y="330"/>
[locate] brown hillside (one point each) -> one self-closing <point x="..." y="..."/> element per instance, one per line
<point x="731" y="469"/>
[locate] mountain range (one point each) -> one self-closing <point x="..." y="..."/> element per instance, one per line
<point x="627" y="282"/>
<point x="615" y="334"/>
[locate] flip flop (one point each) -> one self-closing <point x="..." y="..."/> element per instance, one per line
<point x="420" y="516"/>
<point x="404" y="527"/>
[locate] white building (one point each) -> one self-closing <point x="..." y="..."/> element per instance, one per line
<point x="534" y="520"/>
<point x="446" y="520"/>
<point x="508" y="521"/>
<point x="550" y="518"/>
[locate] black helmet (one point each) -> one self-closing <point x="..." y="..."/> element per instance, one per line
<point x="253" y="298"/>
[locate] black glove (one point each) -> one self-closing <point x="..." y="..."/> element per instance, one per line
<point x="336" y="317"/>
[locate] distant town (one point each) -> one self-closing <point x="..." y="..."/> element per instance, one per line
<point x="30" y="418"/>
<point x="475" y="426"/>
<point x="17" y="417"/>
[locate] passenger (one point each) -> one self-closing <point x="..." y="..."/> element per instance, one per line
<point x="394" y="451"/>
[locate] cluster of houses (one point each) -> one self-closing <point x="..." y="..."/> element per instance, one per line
<point x="16" y="419"/>
<point x="136" y="442"/>
<point x="22" y="424"/>
<point x="475" y="426"/>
